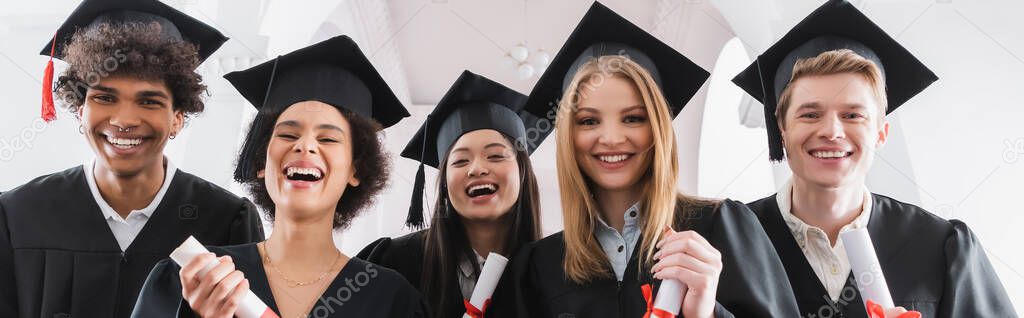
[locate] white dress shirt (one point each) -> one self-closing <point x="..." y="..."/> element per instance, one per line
<point x="467" y="281"/>
<point x="619" y="246"/>
<point x="829" y="262"/>
<point x="126" y="229"/>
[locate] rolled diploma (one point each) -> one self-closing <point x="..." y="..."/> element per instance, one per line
<point x="251" y="306"/>
<point x="670" y="296"/>
<point x="866" y="268"/>
<point x="494" y="266"/>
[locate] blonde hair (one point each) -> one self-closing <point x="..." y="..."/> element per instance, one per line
<point x="834" y="62"/>
<point x="584" y="258"/>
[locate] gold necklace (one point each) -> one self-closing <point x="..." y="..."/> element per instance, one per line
<point x="293" y="283"/>
<point x="309" y="307"/>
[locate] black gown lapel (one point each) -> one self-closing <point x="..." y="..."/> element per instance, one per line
<point x="453" y="304"/>
<point x="91" y="214"/>
<point x="158" y="233"/>
<point x="257" y="277"/>
<point x="631" y="297"/>
<point x="885" y="231"/>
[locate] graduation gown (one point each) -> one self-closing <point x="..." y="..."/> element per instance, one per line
<point x="752" y="283"/>
<point x="59" y="258"/>
<point x="932" y="265"/>
<point x="361" y="289"/>
<point x="405" y="255"/>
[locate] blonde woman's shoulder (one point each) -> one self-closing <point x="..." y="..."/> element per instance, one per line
<point x="702" y="213"/>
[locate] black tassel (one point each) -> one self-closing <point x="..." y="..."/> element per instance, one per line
<point x="775" y="148"/>
<point x="415" y="218"/>
<point x="771" y="123"/>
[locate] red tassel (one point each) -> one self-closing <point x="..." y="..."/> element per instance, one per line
<point x="474" y="312"/>
<point x="876" y="311"/>
<point x="49" y="112"/>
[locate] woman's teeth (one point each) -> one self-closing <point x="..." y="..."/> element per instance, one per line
<point x="481" y="189"/>
<point x="311" y="172"/>
<point x="830" y="154"/>
<point x="124" y="143"/>
<point x="481" y="186"/>
<point x="613" y="159"/>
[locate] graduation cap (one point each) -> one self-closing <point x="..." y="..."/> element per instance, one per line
<point x="334" y="72"/>
<point x="174" y="25"/>
<point x="835" y="25"/>
<point x="472" y="103"/>
<point x="603" y="32"/>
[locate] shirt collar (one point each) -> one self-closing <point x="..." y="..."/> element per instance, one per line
<point x="630" y="218"/>
<point x="466" y="267"/>
<point x="799" y="228"/>
<point x="108" y="212"/>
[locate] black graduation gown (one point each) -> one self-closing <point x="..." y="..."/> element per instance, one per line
<point x="405" y="255"/>
<point x="361" y="289"/>
<point x="752" y="283"/>
<point x="58" y="257"/>
<point x="932" y="265"/>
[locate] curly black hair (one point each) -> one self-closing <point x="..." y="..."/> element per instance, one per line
<point x="371" y="162"/>
<point x="134" y="49"/>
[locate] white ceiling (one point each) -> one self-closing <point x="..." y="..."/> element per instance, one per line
<point x="440" y="38"/>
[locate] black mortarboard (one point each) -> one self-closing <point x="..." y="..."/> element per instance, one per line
<point x="602" y="32"/>
<point x="835" y="25"/>
<point x="175" y="25"/>
<point x="334" y="72"/>
<point x="472" y="103"/>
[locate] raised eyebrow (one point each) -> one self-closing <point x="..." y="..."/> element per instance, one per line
<point x="330" y="127"/>
<point x="587" y="109"/>
<point x="811" y="105"/>
<point x="150" y="93"/>
<point x="288" y="123"/>
<point x="104" y="89"/>
<point x="856" y="106"/>
<point x="495" y="144"/>
<point x="632" y="108"/>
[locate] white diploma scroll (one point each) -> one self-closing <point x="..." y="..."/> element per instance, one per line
<point x="866" y="268"/>
<point x="251" y="306"/>
<point x="670" y="296"/>
<point x="494" y="266"/>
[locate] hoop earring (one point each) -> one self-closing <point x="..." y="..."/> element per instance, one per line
<point x="81" y="130"/>
<point x="173" y="136"/>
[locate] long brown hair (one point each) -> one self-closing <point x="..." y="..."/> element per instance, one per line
<point x="446" y="241"/>
<point x="584" y="259"/>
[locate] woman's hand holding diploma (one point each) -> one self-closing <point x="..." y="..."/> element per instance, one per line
<point x="689" y="258"/>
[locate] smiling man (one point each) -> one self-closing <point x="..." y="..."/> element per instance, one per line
<point x="827" y="86"/>
<point x="80" y="242"/>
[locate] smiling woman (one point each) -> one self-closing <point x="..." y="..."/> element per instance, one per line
<point x="364" y="166"/>
<point x="313" y="160"/>
<point x="487" y="202"/>
<point x="617" y="89"/>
